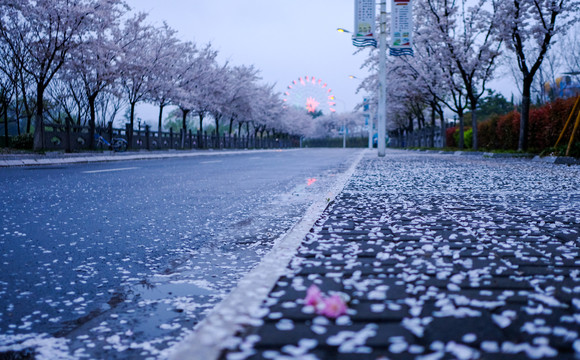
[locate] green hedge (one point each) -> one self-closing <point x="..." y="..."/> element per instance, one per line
<point x="453" y="137"/>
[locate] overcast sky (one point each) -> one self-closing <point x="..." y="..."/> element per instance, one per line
<point x="284" y="39"/>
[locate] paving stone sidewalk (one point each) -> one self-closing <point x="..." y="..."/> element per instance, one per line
<point x="442" y="258"/>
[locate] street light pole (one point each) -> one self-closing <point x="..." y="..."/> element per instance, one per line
<point x="371" y="123"/>
<point x="343" y="133"/>
<point x="382" y="111"/>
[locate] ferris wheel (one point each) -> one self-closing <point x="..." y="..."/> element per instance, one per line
<point x="311" y="94"/>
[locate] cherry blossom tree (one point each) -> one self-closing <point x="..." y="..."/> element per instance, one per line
<point x="457" y="101"/>
<point x="94" y="62"/>
<point x="528" y="28"/>
<point x="109" y="105"/>
<point x="266" y="109"/>
<point x="429" y="80"/>
<point x="193" y="83"/>
<point x="40" y="35"/>
<point x="408" y="83"/>
<point x="135" y="62"/>
<point x="242" y="107"/>
<point x="294" y="121"/>
<point x="8" y="86"/>
<point x="241" y="89"/>
<point x="217" y="92"/>
<point x="185" y="80"/>
<point x="436" y="72"/>
<point x="328" y="125"/>
<point x="407" y="96"/>
<point x="6" y="93"/>
<point x="161" y="85"/>
<point x="23" y="91"/>
<point x="67" y="98"/>
<point x="469" y="44"/>
<point x="407" y="90"/>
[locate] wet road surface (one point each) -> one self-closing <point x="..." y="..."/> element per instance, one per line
<point x="118" y="260"/>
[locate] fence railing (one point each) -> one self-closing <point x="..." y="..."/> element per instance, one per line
<point x="425" y="137"/>
<point x="70" y="137"/>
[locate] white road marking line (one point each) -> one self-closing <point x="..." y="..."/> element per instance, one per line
<point x="109" y="170"/>
<point x="211" y="162"/>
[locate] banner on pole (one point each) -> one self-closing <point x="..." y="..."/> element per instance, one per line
<point x="401" y="28"/>
<point x="364" y="23"/>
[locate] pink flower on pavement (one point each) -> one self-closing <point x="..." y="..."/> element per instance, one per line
<point x="313" y="296"/>
<point x="334" y="307"/>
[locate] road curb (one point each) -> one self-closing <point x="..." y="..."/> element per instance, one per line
<point x="559" y="160"/>
<point x="242" y="306"/>
<point x="120" y="157"/>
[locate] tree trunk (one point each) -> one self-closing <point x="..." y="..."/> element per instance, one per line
<point x="92" y="120"/>
<point x="184" y="127"/>
<point x="17" y="113"/>
<point x="410" y="133"/>
<point x="231" y="125"/>
<point x="240" y="128"/>
<point x="461" y="130"/>
<point x="432" y="137"/>
<point x="474" y="124"/>
<point x="132" y="116"/>
<point x="38" y="119"/>
<point x="184" y="119"/>
<point x="131" y="123"/>
<point x="217" y="125"/>
<point x="28" y="122"/>
<point x="525" y="116"/>
<point x="160" y="126"/>
<point x="5" y="115"/>
<point x="443" y="128"/>
<point x="26" y="105"/>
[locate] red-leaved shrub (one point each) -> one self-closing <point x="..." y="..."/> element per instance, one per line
<point x="546" y="123"/>
<point x="507" y="131"/>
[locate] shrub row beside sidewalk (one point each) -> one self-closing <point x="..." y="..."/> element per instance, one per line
<point x="501" y="132"/>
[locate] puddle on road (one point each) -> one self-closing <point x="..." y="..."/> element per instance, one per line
<point x="169" y="290"/>
<point x="162" y="308"/>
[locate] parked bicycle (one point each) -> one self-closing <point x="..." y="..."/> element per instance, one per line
<point x="117" y="144"/>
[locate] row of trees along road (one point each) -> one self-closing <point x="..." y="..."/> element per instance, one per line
<point x="87" y="59"/>
<point x="459" y="46"/>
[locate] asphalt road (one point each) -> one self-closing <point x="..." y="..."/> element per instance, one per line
<point x="121" y="260"/>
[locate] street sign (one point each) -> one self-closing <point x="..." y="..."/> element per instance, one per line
<point x="364" y="23"/>
<point x="401" y="28"/>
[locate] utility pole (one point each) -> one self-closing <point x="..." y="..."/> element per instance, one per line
<point x="382" y="111"/>
<point x="343" y="133"/>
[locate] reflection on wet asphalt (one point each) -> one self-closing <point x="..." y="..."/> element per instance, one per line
<point x="117" y="264"/>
